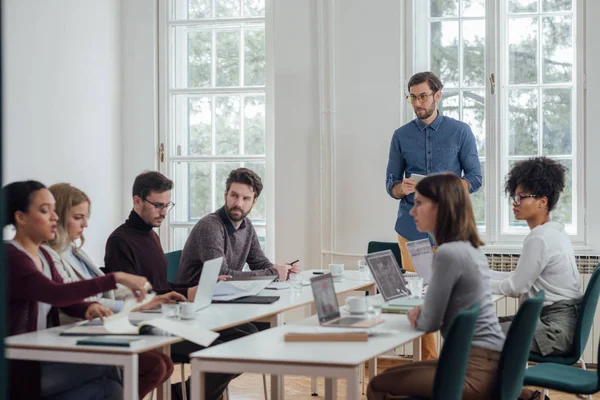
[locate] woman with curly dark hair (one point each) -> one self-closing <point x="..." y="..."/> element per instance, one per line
<point x="547" y="261"/>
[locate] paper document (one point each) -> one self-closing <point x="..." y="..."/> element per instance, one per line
<point x="324" y="329"/>
<point x="231" y="290"/>
<point x="421" y="254"/>
<point x="119" y="324"/>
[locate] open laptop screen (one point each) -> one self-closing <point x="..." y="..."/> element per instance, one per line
<point x="325" y="299"/>
<point x="387" y="274"/>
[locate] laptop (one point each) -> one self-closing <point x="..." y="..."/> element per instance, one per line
<point x="421" y="254"/>
<point x="206" y="285"/>
<point x="207" y="282"/>
<point x="328" y="309"/>
<point x="390" y="281"/>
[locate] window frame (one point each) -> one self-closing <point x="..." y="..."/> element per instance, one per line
<point x="496" y="233"/>
<point x="167" y="89"/>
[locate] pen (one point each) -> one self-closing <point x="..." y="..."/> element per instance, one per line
<point x="293" y="262"/>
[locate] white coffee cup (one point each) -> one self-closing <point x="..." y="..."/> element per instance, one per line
<point x="357" y="304"/>
<point x="336" y="270"/>
<point x="187" y="310"/>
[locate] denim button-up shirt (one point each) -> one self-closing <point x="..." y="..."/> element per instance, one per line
<point x="445" y="145"/>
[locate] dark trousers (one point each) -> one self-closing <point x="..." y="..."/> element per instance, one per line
<point x="215" y="383"/>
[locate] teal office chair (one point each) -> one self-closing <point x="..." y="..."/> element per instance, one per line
<point x="452" y="365"/>
<point x="513" y="359"/>
<point x="173" y="259"/>
<point x="585" y="320"/>
<point x="374" y="247"/>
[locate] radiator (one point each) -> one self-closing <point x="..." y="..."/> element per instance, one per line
<point x="509" y="306"/>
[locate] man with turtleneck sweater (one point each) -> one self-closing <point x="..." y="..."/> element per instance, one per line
<point x="135" y="247"/>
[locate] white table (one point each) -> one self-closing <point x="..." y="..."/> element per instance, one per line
<point x="266" y="352"/>
<point x="48" y="345"/>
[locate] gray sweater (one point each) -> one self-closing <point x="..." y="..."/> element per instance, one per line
<point x="461" y="279"/>
<point x="215" y="236"/>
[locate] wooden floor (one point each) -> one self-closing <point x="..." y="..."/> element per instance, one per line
<point x="250" y="387"/>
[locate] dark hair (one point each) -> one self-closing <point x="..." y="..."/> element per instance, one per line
<point x="540" y="176"/>
<point x="435" y="84"/>
<point x="247" y="177"/>
<point x="17" y="196"/>
<point x="455" y="218"/>
<point x="150" y="181"/>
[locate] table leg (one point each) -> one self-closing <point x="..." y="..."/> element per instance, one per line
<point x="371" y="290"/>
<point x="352" y="389"/>
<point x="331" y="388"/>
<point x="164" y="390"/>
<point x="130" y="378"/>
<point x="276" y="380"/>
<point x="197" y="383"/>
<point x="313" y="386"/>
<point x="417" y="349"/>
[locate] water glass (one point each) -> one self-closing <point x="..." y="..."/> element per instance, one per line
<point x="415" y="285"/>
<point x="169" y="310"/>
<point x="363" y="269"/>
<point x="296" y="283"/>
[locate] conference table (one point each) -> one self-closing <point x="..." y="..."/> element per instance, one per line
<point x="48" y="345"/>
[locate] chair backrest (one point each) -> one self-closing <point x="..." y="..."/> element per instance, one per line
<point x="515" y="353"/>
<point x="452" y="366"/>
<point x="587" y="310"/>
<point x="374" y="247"/>
<point x="173" y="259"/>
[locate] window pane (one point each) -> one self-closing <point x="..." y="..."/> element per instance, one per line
<point x="254" y="124"/>
<point x="444" y="52"/>
<point x="474" y="116"/>
<point x="228" y="8"/>
<point x="444" y="8"/>
<point x="557" y="49"/>
<point x="228" y="58"/>
<point x="473" y="8"/>
<point x="556" y="5"/>
<point x="180" y="236"/>
<point x="563" y="212"/>
<point x="192" y="120"/>
<point x="254" y="8"/>
<point x="254" y="58"/>
<point x="522" y="6"/>
<point x="474" y="53"/>
<point x="522" y="50"/>
<point x="193" y="190"/>
<point x="261" y="232"/>
<point x="557" y="121"/>
<point x="200" y="59"/>
<point x="222" y="170"/>
<point x="192" y="9"/>
<point x="523" y="122"/>
<point x="227" y="125"/>
<point x="449" y="104"/>
<point x="478" y="200"/>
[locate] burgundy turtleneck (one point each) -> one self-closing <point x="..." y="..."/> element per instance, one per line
<point x="134" y="247"/>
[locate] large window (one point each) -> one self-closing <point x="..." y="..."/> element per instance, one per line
<point x="212" y="56"/>
<point x="510" y="70"/>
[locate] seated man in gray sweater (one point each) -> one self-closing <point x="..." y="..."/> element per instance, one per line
<point x="228" y="233"/>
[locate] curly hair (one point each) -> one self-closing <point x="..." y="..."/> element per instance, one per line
<point x="541" y="176"/>
<point x="247" y="177"/>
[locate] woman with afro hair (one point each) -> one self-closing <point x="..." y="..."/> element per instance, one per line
<point x="547" y="260"/>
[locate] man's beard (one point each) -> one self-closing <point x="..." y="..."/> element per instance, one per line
<point x="428" y="113"/>
<point x="236" y="218"/>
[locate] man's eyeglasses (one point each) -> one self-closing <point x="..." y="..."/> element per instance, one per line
<point x="159" y="206"/>
<point x="516" y="199"/>
<point x="411" y="98"/>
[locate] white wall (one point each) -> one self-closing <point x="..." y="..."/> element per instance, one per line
<point x="62" y="100"/>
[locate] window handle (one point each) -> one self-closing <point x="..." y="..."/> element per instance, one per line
<point x="492" y="84"/>
<point x="161" y="152"/>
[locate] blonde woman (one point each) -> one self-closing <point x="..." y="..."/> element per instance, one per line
<point x="74" y="265"/>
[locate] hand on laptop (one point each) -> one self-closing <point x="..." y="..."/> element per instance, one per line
<point x="413" y="316"/>
<point x="224" y="277"/>
<point x="171" y="297"/>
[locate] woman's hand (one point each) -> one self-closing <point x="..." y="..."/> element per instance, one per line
<point x="413" y="315"/>
<point x="171" y="297"/>
<point x="224" y="277"/>
<point x="97" y="310"/>
<point x="139" y="285"/>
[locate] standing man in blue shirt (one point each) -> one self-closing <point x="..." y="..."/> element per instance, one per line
<point x="428" y="144"/>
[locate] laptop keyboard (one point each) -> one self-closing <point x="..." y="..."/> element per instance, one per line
<point x="346" y="321"/>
